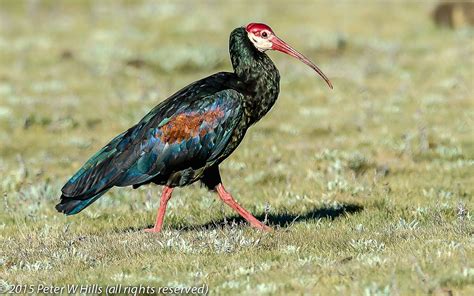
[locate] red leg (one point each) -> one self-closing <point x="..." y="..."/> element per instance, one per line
<point x="165" y="196"/>
<point x="228" y="199"/>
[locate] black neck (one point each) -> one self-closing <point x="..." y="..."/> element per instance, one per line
<point x="258" y="74"/>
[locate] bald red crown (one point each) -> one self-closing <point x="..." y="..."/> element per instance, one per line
<point x="256" y="28"/>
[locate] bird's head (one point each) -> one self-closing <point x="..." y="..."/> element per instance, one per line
<point x="263" y="38"/>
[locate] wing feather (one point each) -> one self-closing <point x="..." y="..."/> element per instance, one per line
<point x="175" y="135"/>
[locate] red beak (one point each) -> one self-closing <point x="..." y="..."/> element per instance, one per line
<point x="280" y="45"/>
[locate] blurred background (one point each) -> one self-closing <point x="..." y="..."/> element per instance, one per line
<point x="398" y="125"/>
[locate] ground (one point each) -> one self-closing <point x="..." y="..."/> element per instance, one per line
<point x="368" y="186"/>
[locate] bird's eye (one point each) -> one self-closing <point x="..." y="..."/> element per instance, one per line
<point x="264" y="34"/>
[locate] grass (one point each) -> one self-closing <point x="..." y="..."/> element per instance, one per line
<point x="369" y="187"/>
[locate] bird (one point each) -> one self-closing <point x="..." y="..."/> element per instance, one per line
<point x="186" y="137"/>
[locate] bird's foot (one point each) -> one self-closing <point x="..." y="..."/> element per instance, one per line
<point x="153" y="230"/>
<point x="262" y="226"/>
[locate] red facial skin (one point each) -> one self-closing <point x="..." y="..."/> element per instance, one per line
<point x="264" y="31"/>
<point x="257" y="28"/>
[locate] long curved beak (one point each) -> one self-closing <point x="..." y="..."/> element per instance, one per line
<point x="280" y="45"/>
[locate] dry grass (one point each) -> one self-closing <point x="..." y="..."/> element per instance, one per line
<point x="369" y="186"/>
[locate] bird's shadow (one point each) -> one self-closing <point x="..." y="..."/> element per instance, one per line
<point x="283" y="220"/>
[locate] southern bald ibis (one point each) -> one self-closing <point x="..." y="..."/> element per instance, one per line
<point x="187" y="136"/>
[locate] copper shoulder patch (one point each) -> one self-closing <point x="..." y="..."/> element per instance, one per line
<point x="188" y="125"/>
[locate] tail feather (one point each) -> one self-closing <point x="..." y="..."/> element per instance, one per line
<point x="72" y="206"/>
<point x="94" y="178"/>
<point x="116" y="164"/>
